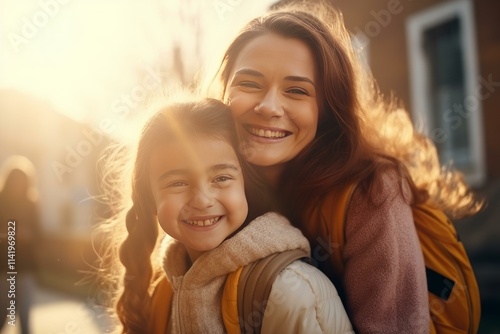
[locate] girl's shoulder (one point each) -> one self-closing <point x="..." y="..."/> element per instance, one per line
<point x="301" y="286"/>
<point x="301" y="276"/>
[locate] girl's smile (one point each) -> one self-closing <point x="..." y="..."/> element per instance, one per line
<point x="199" y="192"/>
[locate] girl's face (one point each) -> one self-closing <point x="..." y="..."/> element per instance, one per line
<point x="272" y="91"/>
<point x="199" y="192"/>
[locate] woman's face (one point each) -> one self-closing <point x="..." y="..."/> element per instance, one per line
<point x="272" y="91"/>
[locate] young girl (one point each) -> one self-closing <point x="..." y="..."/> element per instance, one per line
<point x="188" y="180"/>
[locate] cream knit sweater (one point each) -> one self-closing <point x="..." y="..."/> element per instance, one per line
<point x="196" y="305"/>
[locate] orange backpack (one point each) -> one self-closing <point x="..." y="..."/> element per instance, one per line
<point x="244" y="297"/>
<point x="454" y="301"/>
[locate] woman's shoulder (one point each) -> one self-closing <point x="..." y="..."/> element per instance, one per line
<point x="378" y="185"/>
<point x="384" y="187"/>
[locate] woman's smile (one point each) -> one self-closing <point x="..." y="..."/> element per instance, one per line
<point x="266" y="132"/>
<point x="272" y="95"/>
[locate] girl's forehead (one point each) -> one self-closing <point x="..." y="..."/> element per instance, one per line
<point x="192" y="154"/>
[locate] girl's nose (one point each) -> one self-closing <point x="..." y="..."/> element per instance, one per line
<point x="202" y="199"/>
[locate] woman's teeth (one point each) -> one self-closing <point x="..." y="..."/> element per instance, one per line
<point x="206" y="222"/>
<point x="267" y="133"/>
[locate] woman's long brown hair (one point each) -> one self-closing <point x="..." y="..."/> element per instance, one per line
<point x="360" y="133"/>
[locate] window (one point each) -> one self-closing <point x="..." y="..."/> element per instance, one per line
<point x="444" y="77"/>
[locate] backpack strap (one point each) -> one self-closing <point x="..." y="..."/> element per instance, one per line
<point x="328" y="220"/>
<point x="229" y="301"/>
<point x="254" y="286"/>
<point x="161" y="303"/>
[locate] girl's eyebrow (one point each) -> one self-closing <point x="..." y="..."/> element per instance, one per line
<point x="215" y="168"/>
<point x="173" y="172"/>
<point x="228" y="165"/>
<point x="255" y="73"/>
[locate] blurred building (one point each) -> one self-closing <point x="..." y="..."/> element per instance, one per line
<point x="441" y="59"/>
<point x="65" y="155"/>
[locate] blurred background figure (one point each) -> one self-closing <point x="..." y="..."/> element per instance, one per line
<point x="19" y="209"/>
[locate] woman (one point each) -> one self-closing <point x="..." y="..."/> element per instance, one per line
<point x="312" y="122"/>
<point x="20" y="222"/>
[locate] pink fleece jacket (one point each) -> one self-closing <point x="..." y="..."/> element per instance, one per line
<point x="384" y="283"/>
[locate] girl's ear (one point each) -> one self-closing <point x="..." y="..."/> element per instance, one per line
<point x="152" y="201"/>
<point x="154" y="208"/>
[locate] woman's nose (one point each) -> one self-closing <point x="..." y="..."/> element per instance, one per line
<point x="270" y="106"/>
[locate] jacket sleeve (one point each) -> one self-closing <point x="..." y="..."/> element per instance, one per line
<point x="384" y="280"/>
<point x="303" y="300"/>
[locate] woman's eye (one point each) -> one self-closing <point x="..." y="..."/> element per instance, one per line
<point x="299" y="91"/>
<point x="248" y="84"/>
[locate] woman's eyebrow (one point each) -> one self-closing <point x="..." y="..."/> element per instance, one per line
<point x="299" y="78"/>
<point x="249" y="72"/>
<point x="255" y="73"/>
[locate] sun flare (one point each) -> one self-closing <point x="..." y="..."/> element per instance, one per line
<point x="90" y="59"/>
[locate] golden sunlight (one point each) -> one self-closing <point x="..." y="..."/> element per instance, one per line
<point x="73" y="53"/>
<point x="97" y="59"/>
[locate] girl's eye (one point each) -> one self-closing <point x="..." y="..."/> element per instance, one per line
<point x="222" y="179"/>
<point x="177" y="184"/>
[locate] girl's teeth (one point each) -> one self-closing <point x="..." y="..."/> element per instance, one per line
<point x="206" y="222"/>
